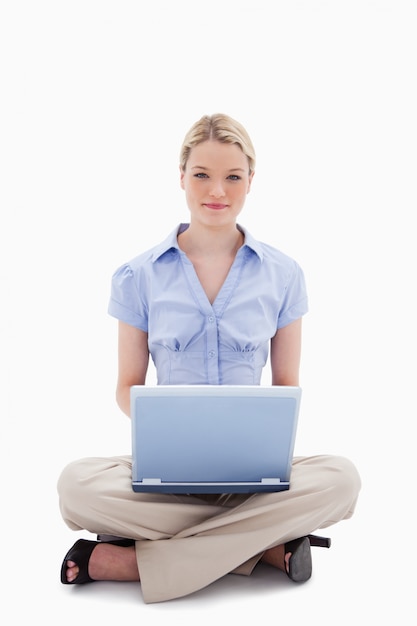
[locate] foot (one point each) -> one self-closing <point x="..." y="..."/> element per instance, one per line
<point x="294" y="557"/>
<point x="277" y="557"/>
<point x="108" y="562"/>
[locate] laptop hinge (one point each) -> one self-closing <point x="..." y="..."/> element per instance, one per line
<point x="270" y="481"/>
<point x="151" y="481"/>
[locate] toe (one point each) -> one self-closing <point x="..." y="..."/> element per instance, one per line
<point x="72" y="571"/>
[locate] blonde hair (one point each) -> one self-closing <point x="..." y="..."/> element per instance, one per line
<point x="218" y="127"/>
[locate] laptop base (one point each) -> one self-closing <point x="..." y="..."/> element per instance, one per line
<point x="255" y="487"/>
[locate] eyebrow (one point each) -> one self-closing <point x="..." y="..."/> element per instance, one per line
<point x="233" y="169"/>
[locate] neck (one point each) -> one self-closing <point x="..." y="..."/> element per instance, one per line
<point x="210" y="241"/>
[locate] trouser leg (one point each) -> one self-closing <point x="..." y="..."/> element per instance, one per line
<point x="195" y="541"/>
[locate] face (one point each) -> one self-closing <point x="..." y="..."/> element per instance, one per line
<point x="216" y="181"/>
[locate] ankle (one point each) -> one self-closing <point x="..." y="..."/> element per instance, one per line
<point x="275" y="557"/>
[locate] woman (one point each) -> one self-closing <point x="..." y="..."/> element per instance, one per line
<point x="208" y="304"/>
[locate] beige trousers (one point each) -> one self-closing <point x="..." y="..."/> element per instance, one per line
<point x="185" y="542"/>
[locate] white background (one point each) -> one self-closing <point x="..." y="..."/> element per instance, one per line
<point x="96" y="97"/>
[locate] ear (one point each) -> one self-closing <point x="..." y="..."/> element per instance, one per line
<point x="251" y="175"/>
<point x="182" y="174"/>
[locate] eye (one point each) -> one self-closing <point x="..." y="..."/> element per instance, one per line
<point x="234" y="177"/>
<point x="200" y="175"/>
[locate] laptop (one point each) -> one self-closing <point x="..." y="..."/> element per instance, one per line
<point x="213" y="438"/>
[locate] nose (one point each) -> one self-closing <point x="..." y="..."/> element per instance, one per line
<point x="217" y="189"/>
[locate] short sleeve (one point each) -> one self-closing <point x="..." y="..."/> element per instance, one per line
<point x="127" y="303"/>
<point x="295" y="303"/>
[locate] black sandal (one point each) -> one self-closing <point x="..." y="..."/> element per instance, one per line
<point x="300" y="564"/>
<point x="80" y="553"/>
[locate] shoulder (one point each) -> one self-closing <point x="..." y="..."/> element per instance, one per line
<point x="269" y="255"/>
<point x="146" y="259"/>
<point x="280" y="260"/>
<point x="273" y="254"/>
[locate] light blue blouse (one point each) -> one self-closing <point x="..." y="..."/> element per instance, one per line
<point x="194" y="342"/>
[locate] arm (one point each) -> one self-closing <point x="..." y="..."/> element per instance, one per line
<point x="286" y="354"/>
<point x="133" y="363"/>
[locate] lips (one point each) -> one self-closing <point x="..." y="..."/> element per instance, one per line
<point x="215" y="206"/>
